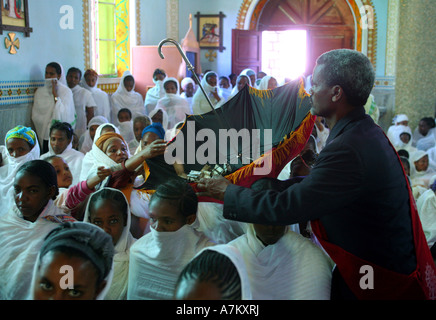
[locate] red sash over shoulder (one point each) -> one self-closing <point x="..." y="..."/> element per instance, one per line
<point x="387" y="285"/>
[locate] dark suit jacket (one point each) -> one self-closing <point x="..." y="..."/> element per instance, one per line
<point x="357" y="189"/>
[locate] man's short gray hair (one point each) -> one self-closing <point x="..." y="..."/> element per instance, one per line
<point x="351" y="70"/>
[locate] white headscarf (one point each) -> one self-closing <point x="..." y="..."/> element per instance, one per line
<point x="153" y="95"/>
<point x="8" y="171"/>
<point x="235" y="256"/>
<point x="157" y="259"/>
<point x="87" y="141"/>
<point x="426" y="205"/>
<point x="235" y="89"/>
<point x="184" y="83"/>
<point x="45" y="110"/>
<point x="263" y="85"/>
<point x="131" y="100"/>
<point x="226" y="92"/>
<point x="291" y="269"/>
<point x="164" y="117"/>
<point x="101" y="99"/>
<point x="421" y="178"/>
<point x="118" y="288"/>
<point x="20" y="242"/>
<point x="399" y="144"/>
<point x="176" y="107"/>
<point x="96" y="157"/>
<point x="200" y="104"/>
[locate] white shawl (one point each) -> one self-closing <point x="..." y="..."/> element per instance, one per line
<point x="426" y="206"/>
<point x="164" y="117"/>
<point x="153" y="95"/>
<point x="175" y="106"/>
<point x="72" y="157"/>
<point x="263" y="85"/>
<point x="118" y="288"/>
<point x="20" y="242"/>
<point x="85" y="140"/>
<point x="157" y="259"/>
<point x="291" y="269"/>
<point x="45" y="110"/>
<point x="131" y="100"/>
<point x="235" y="88"/>
<point x="82" y="99"/>
<point x="235" y="256"/>
<point x="101" y="99"/>
<point x="200" y="104"/>
<point x="8" y="171"/>
<point x="95" y="157"/>
<point x="126" y="130"/>
<point x="420" y="178"/>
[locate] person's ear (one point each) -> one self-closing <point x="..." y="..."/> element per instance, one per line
<point x="191" y="218"/>
<point x="52" y="192"/>
<point x="337" y="93"/>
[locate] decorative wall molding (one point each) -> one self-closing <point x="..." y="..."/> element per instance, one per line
<point x="392" y="37"/>
<point x="173" y="19"/>
<point x="17" y="92"/>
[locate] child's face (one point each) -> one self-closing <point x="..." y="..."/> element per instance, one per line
<point x="91" y="81"/>
<point x="73" y="79"/>
<point x="138" y="127"/>
<point x="224" y="83"/>
<point x="405" y="138"/>
<point x="65" y="178"/>
<point x="124" y="117"/>
<point x="165" y="217"/>
<point x="269" y="234"/>
<point x="422" y="164"/>
<point x="48" y="279"/>
<point x="158" y="117"/>
<point x="59" y="141"/>
<point x="211" y="80"/>
<point x="106" y="215"/>
<point x="117" y="150"/>
<point x="170" y="87"/>
<point x="242" y="83"/>
<point x="189" y="90"/>
<point x="148" y="138"/>
<point x="31" y="195"/>
<point x="92" y="130"/>
<point x="159" y="77"/>
<point x="272" y="84"/>
<point x="17" y="147"/>
<point x="129" y="84"/>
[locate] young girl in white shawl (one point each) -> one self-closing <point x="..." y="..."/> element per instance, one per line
<point x="155" y="93"/>
<point x="241" y="81"/>
<point x="404" y="140"/>
<point x="420" y="171"/>
<point x="426" y="205"/>
<point x="225" y="87"/>
<point x="158" y="257"/>
<point x="109" y="209"/>
<point x="175" y="106"/>
<point x="88" y="253"/>
<point x="127" y="97"/>
<point x="23" y="229"/>
<point x="21" y="146"/>
<point x="101" y="98"/>
<point x="268" y="83"/>
<point x="54" y="101"/>
<point x="188" y="87"/>
<point x="209" y="83"/>
<point x="215" y="273"/>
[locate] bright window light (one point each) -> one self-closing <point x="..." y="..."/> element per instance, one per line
<point x="284" y="54"/>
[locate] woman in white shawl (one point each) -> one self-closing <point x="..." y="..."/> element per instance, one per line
<point x="420" y="170"/>
<point x="52" y="102"/>
<point x="127" y="97"/>
<point x="158" y="114"/>
<point x="101" y="98"/>
<point x="241" y="81"/>
<point x="175" y="106"/>
<point x="251" y="74"/>
<point x="399" y="122"/>
<point x="159" y="256"/>
<point x="18" y="138"/>
<point x="95" y="157"/>
<point x="404" y="140"/>
<point x="424" y="137"/>
<point x="283" y="265"/>
<point x="71" y="156"/>
<point x="86" y="140"/>
<point x="23" y="229"/>
<point x="155" y="93"/>
<point x="87" y="251"/>
<point x="209" y="83"/>
<point x="225" y="87"/>
<point x="426" y="205"/>
<point x="268" y="83"/>
<point x="188" y="87"/>
<point x="116" y="223"/>
<point x="219" y="271"/>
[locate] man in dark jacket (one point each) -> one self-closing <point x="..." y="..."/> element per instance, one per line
<point x="356" y="196"/>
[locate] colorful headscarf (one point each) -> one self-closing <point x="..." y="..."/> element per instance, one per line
<point x="155" y="127"/>
<point x="22" y="132"/>
<point x="103" y="142"/>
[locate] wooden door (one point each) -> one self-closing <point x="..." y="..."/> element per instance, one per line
<point x="246" y="50"/>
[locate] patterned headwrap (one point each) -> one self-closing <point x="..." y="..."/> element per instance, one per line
<point x="103" y="142"/>
<point x="22" y="132"/>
